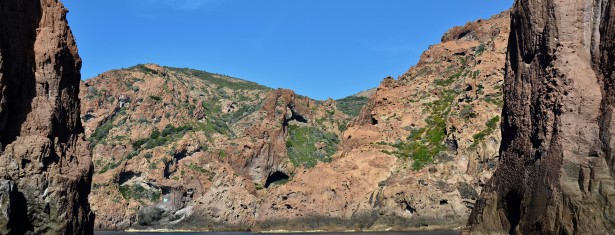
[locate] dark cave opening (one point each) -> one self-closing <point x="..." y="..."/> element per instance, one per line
<point x="294" y="116"/>
<point x="276" y="177"/>
<point x="126" y="176"/>
<point x="512" y="206"/>
<point x="409" y="208"/>
<point x="374" y="121"/>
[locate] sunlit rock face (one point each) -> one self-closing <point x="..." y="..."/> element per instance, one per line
<point x="45" y="164"/>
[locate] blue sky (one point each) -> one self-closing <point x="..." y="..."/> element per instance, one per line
<point x="319" y="48"/>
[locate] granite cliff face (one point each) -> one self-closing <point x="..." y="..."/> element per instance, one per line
<point x="187" y="149"/>
<point x="45" y="164"/>
<point x="556" y="166"/>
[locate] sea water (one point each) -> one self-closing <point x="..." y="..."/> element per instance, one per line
<point x="249" y="233"/>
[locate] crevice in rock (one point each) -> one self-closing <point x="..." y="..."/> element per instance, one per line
<point x="410" y="209"/>
<point x="294" y="116"/>
<point x="180" y="155"/>
<point x="170" y="166"/>
<point x="18" y="214"/>
<point x="512" y="208"/>
<point x="467" y="35"/>
<point x="374" y="120"/>
<point x="276" y="177"/>
<point x="127" y="176"/>
<point x="167" y="169"/>
<point x="452" y="144"/>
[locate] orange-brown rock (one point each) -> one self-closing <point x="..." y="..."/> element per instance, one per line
<point x="191" y="149"/>
<point x="181" y="148"/>
<point x="556" y="169"/>
<point x="45" y="164"/>
<point x="377" y="181"/>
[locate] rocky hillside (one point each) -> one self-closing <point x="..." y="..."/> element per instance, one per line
<point x="167" y="140"/>
<point x="556" y="172"/>
<point x="416" y="157"/>
<point x="180" y="148"/>
<point x="45" y="164"/>
<point x="352" y="105"/>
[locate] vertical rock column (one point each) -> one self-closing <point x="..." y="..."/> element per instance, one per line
<point x="556" y="165"/>
<point x="45" y="165"/>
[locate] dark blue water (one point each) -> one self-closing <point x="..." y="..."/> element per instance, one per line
<point x="249" y="233"/>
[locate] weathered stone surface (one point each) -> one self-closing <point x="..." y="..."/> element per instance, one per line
<point x="556" y="166"/>
<point x="45" y="164"/>
<point x="186" y="149"/>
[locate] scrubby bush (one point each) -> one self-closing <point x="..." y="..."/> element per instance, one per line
<point x="138" y="192"/>
<point x="101" y="133"/>
<point x="301" y="145"/>
<point x="352" y="105"/>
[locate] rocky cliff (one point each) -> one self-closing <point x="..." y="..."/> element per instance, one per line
<point x="181" y="148"/>
<point x="191" y="149"/>
<point x="45" y="164"/>
<point x="418" y="153"/>
<point x="556" y="165"/>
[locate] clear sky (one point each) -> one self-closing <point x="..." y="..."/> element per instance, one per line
<point x="319" y="48"/>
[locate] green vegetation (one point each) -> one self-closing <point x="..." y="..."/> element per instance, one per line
<point x="138" y="192"/>
<point x="352" y="105"/>
<point x="425" y="144"/>
<point x="195" y="167"/>
<point x="157" y="138"/>
<point x="215" y="126"/>
<point x="144" y="69"/>
<point x="155" y="98"/>
<point x="467" y="112"/>
<point x="497" y="100"/>
<point x="301" y="145"/>
<point x="222" y="155"/>
<point x="446" y="82"/>
<point x="492" y="125"/>
<point x="221" y="80"/>
<point x="480" y="49"/>
<point x="109" y="166"/>
<point x="480" y="89"/>
<point x="131" y="154"/>
<point x="240" y="113"/>
<point x="101" y="133"/>
<point x="93" y="93"/>
<point x="211" y="107"/>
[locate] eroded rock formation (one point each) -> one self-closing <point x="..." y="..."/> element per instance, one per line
<point x="45" y="164"/>
<point x="556" y="167"/>
<point x="187" y="149"/>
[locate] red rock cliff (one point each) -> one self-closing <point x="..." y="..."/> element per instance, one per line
<point x="45" y="166"/>
<point x="556" y="169"/>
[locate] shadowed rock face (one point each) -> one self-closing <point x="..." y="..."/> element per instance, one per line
<point x="45" y="166"/>
<point x="556" y="169"/>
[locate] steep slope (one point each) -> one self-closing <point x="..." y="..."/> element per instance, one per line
<point x="417" y="155"/>
<point x="556" y="172"/>
<point x="45" y="165"/>
<point x="168" y="142"/>
<point x="352" y="105"/>
<point x="179" y="148"/>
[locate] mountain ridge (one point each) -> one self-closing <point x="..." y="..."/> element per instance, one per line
<point x="186" y="148"/>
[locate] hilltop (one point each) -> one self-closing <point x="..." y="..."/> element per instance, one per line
<point x="182" y="148"/>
